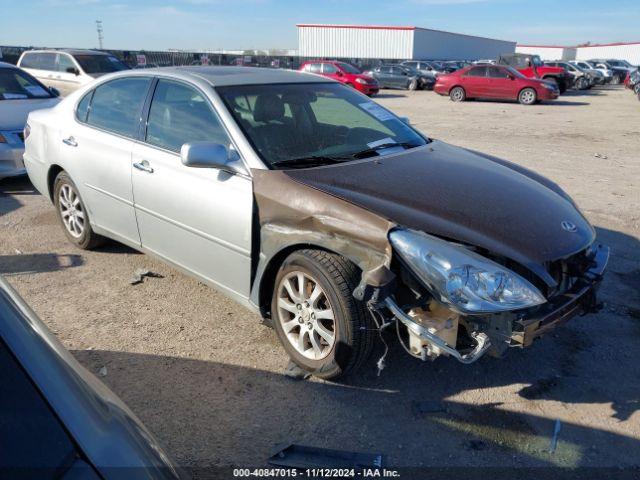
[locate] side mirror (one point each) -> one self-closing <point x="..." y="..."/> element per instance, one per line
<point x="511" y="77"/>
<point x="54" y="91"/>
<point x="339" y="73"/>
<point x="405" y="120"/>
<point x="211" y="155"/>
<point x="73" y="70"/>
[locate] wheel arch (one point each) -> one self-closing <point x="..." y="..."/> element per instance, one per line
<point x="455" y="86"/>
<point x="266" y="281"/>
<point x="54" y="171"/>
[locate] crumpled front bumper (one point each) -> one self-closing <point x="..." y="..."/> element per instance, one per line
<point x="579" y="300"/>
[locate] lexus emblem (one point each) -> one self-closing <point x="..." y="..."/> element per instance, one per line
<point x="568" y="226"/>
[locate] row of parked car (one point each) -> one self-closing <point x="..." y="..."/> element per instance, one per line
<point x="521" y="77"/>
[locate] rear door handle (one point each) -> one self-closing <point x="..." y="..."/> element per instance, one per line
<point x="70" y="141"/>
<point x="144" y="166"/>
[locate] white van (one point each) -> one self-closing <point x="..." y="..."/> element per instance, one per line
<point x="67" y="70"/>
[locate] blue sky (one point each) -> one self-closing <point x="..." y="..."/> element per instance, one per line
<point x="231" y="24"/>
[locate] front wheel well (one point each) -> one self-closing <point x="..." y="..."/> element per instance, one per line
<point x="268" y="278"/>
<point x="54" y="171"/>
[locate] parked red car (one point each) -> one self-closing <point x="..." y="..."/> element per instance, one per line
<point x="494" y="81"/>
<point x="343" y="72"/>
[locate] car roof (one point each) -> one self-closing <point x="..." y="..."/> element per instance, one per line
<point x="222" y="76"/>
<point x="71" y="51"/>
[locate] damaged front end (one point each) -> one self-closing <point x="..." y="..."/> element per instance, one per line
<point x="499" y="309"/>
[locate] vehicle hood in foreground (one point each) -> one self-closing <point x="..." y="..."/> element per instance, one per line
<point x="14" y="113"/>
<point x="463" y="196"/>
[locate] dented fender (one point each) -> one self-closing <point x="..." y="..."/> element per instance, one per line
<point x="290" y="215"/>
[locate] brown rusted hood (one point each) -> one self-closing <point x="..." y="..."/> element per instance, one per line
<point x="464" y="196"/>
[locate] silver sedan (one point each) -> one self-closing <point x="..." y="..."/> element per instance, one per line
<point x="20" y="94"/>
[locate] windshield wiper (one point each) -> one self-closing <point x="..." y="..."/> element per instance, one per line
<point x="313" y="160"/>
<point x="369" y="151"/>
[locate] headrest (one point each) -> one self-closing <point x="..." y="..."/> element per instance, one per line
<point x="268" y="107"/>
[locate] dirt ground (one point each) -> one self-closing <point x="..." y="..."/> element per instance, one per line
<point x="206" y="376"/>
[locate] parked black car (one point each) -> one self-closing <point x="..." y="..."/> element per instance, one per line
<point x="59" y="421"/>
<point x="401" y="76"/>
<point x="619" y="72"/>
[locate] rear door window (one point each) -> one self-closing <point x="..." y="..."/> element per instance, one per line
<point x="315" y="68"/>
<point x="65" y="63"/>
<point x="497" y="72"/>
<point x="116" y="105"/>
<point x="180" y="114"/>
<point x="328" y="68"/>
<point x="477" y="72"/>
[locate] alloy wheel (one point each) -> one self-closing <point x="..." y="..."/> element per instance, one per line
<point x="306" y="315"/>
<point x="71" y="210"/>
<point x="528" y="97"/>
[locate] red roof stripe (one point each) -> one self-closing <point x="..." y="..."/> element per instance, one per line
<point x="364" y="27"/>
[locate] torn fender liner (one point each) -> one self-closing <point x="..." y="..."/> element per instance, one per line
<point x="291" y="213"/>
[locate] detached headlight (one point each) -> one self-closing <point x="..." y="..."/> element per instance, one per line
<point x="361" y="81"/>
<point x="461" y="278"/>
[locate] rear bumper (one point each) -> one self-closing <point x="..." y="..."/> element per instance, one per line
<point x="11" y="163"/>
<point x="580" y="299"/>
<point x="367" y="89"/>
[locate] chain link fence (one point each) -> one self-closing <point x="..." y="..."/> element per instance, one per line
<point x="146" y="58"/>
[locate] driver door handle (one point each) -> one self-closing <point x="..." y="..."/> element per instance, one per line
<point x="144" y="166"/>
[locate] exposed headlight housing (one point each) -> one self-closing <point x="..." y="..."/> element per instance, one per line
<point x="468" y="282"/>
<point x="3" y="139"/>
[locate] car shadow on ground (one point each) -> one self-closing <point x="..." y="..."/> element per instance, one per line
<point x="23" y="264"/>
<point x="494" y="413"/>
<point x="208" y="413"/>
<point x="9" y="188"/>
<point x="385" y="94"/>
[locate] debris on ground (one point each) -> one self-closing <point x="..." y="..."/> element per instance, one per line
<point x="294" y="371"/>
<point x="18" y="252"/>
<point x="420" y="408"/>
<point x="599" y="155"/>
<point x="102" y="372"/>
<point x="301" y="456"/>
<point x="554" y="437"/>
<point x="139" y="275"/>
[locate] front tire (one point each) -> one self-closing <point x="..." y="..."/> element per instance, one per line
<point x="527" y="96"/>
<point x="457" y="94"/>
<point x="73" y="214"/>
<point x="413" y="85"/>
<point x="322" y="327"/>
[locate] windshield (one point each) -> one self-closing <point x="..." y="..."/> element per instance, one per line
<point x="514" y="72"/>
<point x="535" y="59"/>
<point x="319" y="122"/>
<point x="616" y="63"/>
<point x="100" y="63"/>
<point x="18" y="85"/>
<point x="349" y="68"/>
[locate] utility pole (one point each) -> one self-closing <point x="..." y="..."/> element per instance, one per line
<point x="99" y="29"/>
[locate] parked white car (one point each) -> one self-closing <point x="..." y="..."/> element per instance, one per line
<point x="68" y="70"/>
<point x="20" y="94"/>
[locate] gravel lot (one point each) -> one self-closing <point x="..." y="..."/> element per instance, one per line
<point x="206" y="376"/>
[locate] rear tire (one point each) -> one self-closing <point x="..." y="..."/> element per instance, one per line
<point x="73" y="214"/>
<point x="457" y="94"/>
<point x="527" y="96"/>
<point x="330" y="347"/>
<point x="615" y="80"/>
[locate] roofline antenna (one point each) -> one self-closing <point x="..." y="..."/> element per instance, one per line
<point x="99" y="30"/>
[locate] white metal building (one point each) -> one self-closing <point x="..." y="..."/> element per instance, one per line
<point x="396" y="43"/>
<point x="621" y="51"/>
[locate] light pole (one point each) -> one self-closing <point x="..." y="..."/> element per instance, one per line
<point x="99" y="29"/>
